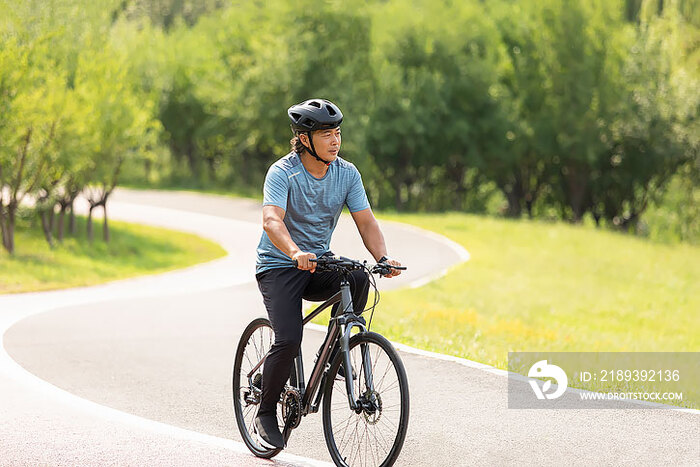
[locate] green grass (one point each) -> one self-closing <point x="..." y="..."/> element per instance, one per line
<point x="532" y="286"/>
<point x="133" y="250"/>
<point x="536" y="286"/>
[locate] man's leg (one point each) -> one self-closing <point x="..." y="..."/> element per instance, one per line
<point x="282" y="290"/>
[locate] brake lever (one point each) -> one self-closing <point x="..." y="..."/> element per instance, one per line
<point x="384" y="269"/>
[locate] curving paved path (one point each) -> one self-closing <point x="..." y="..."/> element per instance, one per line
<point x="159" y="350"/>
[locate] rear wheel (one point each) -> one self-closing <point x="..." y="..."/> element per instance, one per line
<point x="373" y="435"/>
<point x="255" y="343"/>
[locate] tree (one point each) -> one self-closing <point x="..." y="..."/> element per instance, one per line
<point x="121" y="124"/>
<point x="659" y="131"/>
<point x="31" y="99"/>
<point x="439" y="117"/>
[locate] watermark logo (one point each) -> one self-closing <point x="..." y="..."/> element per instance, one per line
<point x="603" y="380"/>
<point x="542" y="369"/>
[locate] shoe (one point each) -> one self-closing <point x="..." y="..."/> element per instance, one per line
<point x="341" y="373"/>
<point x="267" y="432"/>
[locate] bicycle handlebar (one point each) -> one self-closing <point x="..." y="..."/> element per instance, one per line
<point x="347" y="264"/>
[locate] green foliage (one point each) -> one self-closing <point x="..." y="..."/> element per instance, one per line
<point x="437" y="112"/>
<point x="568" y="110"/>
<point x="675" y="217"/>
<point x="167" y="13"/>
<point x="71" y="112"/>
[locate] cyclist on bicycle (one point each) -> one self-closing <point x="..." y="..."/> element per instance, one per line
<point x="304" y="194"/>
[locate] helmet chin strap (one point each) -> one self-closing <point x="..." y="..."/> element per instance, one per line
<point x="312" y="150"/>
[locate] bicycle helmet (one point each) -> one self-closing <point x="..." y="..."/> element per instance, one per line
<point x="312" y="115"/>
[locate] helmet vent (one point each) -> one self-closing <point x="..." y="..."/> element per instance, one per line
<point x="315" y="104"/>
<point x="330" y="110"/>
<point x="295" y="116"/>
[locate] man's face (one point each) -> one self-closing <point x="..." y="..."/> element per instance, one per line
<point x="326" y="143"/>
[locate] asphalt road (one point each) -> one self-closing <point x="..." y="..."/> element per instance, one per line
<point x="161" y="348"/>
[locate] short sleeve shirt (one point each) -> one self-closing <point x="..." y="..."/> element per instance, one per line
<point x="312" y="205"/>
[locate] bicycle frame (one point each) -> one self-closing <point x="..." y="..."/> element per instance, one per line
<point x="340" y="330"/>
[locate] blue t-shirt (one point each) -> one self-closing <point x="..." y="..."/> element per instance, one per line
<point x="312" y="205"/>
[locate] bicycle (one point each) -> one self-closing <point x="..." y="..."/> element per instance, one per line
<point x="365" y="416"/>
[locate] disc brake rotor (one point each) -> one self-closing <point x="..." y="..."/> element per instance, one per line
<point x="372" y="417"/>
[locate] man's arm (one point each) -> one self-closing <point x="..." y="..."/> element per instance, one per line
<point x="372" y="237"/>
<point x="273" y="224"/>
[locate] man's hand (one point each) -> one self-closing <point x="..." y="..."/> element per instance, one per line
<point x="302" y="258"/>
<point x="394" y="272"/>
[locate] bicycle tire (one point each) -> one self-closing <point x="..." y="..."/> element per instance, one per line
<point x="256" y="341"/>
<point x="354" y="431"/>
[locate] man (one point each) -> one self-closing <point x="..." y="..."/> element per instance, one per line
<point x="304" y="193"/>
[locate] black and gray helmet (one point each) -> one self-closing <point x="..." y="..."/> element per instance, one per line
<point x="314" y="114"/>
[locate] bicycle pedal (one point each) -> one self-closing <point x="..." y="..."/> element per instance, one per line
<point x="340" y="376"/>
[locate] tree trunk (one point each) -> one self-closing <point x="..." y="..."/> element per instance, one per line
<point x="459" y="194"/>
<point x="105" y="225"/>
<point x="529" y="202"/>
<point x="211" y="163"/>
<point x="192" y="160"/>
<point x="61" y="218"/>
<point x="148" y="167"/>
<point x="10" y="234"/>
<point x="398" y="200"/>
<point x="89" y="225"/>
<point x="512" y="188"/>
<point x="3" y="229"/>
<point x="46" y="226"/>
<point x="576" y="180"/>
<point x="71" y="221"/>
<point x="52" y="218"/>
<point x="514" y="207"/>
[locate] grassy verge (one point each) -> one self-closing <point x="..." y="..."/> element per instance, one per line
<point x="534" y="286"/>
<point x="133" y="250"/>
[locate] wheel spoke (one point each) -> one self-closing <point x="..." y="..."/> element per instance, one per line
<point x="367" y="438"/>
<point x="347" y="426"/>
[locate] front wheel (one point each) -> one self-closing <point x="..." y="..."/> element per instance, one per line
<point x="375" y="435"/>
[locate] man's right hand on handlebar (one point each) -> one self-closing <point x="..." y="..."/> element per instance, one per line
<point x="303" y="262"/>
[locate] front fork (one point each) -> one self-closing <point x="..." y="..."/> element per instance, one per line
<point x="347" y="321"/>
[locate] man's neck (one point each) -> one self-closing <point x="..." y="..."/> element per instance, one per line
<point x="312" y="165"/>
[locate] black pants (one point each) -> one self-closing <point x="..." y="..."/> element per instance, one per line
<point x="282" y="290"/>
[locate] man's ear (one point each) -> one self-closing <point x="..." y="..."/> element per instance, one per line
<point x="304" y="138"/>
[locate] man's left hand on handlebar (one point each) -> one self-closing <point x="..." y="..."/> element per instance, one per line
<point x="392" y="262"/>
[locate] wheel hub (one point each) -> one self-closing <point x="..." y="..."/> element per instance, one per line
<point x="371" y="403"/>
<point x="253" y="394"/>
